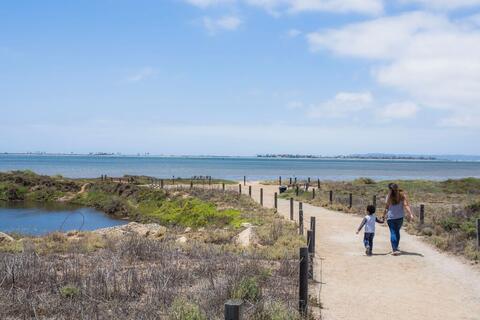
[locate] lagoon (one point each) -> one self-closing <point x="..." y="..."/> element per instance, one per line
<point x="39" y="219"/>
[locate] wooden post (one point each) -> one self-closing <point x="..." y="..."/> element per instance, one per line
<point x="310" y="241"/>
<point x="350" y="200"/>
<point x="250" y="191"/>
<point x="478" y="234"/>
<point x="290" y="181"/>
<point x="374" y="200"/>
<point x="223" y="186"/>
<point x="261" y="196"/>
<point x="313" y="193"/>
<point x="303" y="282"/>
<point x="308" y="180"/>
<point x="318" y="183"/>
<point x="244" y="180"/>
<point x="331" y="196"/>
<point x="233" y="309"/>
<point x="300" y="222"/>
<point x="280" y="180"/>
<point x="275" y="201"/>
<point x="422" y="214"/>
<point x="191" y="184"/>
<point x="161" y="183"/>
<point x="296" y="190"/>
<point x="295" y="180"/>
<point x="291" y="208"/>
<point x="239" y="188"/>
<point x="313" y="227"/>
<point x="300" y="206"/>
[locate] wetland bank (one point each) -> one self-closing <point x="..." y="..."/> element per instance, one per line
<point x="186" y="268"/>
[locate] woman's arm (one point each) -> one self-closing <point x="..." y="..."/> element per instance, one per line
<point x="406" y="205"/>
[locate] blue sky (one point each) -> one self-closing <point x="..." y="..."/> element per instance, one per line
<point x="240" y="77"/>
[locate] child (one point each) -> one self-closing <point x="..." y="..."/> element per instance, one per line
<point x="369" y="223"/>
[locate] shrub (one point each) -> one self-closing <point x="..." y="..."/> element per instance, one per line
<point x="364" y="180"/>
<point x="247" y="289"/>
<point x="276" y="311"/>
<point x="183" y="310"/>
<point x="69" y="291"/>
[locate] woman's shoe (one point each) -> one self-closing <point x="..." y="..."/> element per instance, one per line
<point x="395" y="253"/>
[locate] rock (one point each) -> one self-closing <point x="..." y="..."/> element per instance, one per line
<point x="150" y="230"/>
<point x="247" y="237"/>
<point x="201" y="229"/>
<point x="187" y="230"/>
<point x="246" y="224"/>
<point x="182" y="239"/>
<point x="5" y="238"/>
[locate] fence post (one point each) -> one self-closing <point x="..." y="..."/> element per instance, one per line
<point x="295" y="180"/>
<point x="311" y="249"/>
<point x="223" y="186"/>
<point x="350" y="200"/>
<point x="313" y="193"/>
<point x="422" y="214"/>
<point x="250" y="191"/>
<point x="275" y="201"/>
<point x="313" y="227"/>
<point x="233" y="309"/>
<point x="291" y="208"/>
<point x="478" y="234"/>
<point x="161" y="183"/>
<point x="191" y="184"/>
<point x="300" y="222"/>
<point x="331" y="196"/>
<point x="308" y="180"/>
<point x="303" y="285"/>
<point x="244" y="180"/>
<point x="261" y="196"/>
<point x="296" y="190"/>
<point x="318" y="183"/>
<point x="374" y="200"/>
<point x="290" y="181"/>
<point x="280" y="180"/>
<point x="239" y="188"/>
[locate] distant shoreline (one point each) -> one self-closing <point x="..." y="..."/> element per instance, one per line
<point x="393" y="158"/>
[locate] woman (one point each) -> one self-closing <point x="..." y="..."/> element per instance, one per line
<point x="397" y="204"/>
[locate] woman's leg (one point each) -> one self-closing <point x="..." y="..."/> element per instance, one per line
<point x="393" y="234"/>
<point x="398" y="226"/>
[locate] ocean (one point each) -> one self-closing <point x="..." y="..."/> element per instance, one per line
<point x="236" y="167"/>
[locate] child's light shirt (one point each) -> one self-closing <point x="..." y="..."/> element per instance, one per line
<point x="369" y="223"/>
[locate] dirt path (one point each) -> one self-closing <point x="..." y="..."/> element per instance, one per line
<point x="420" y="284"/>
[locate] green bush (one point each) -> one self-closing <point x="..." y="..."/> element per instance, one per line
<point x="183" y="310"/>
<point x="276" y="311"/>
<point x="247" y="289"/>
<point x="69" y="291"/>
<point x="195" y="213"/>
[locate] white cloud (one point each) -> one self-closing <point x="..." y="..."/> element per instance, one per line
<point x="225" y="23"/>
<point x="293" y="33"/>
<point x="208" y="3"/>
<point x="432" y="59"/>
<point x="142" y="74"/>
<point x="398" y="110"/>
<point x="444" y="4"/>
<point x="369" y="7"/>
<point x="344" y="104"/>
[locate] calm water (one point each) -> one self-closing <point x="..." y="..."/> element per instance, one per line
<point x="37" y="219"/>
<point x="236" y="168"/>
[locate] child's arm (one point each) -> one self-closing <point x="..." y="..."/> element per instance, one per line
<point x="382" y="220"/>
<point x="362" y="224"/>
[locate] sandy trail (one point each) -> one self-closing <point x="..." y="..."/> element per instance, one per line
<point x="420" y="284"/>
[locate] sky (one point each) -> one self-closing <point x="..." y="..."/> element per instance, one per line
<point x="240" y="77"/>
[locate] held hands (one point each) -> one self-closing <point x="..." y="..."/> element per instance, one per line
<point x="357" y="232"/>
